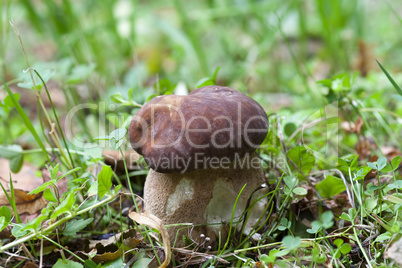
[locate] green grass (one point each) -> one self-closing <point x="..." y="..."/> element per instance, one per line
<point x="301" y="60"/>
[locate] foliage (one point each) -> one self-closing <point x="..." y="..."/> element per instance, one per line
<point x="332" y="156"/>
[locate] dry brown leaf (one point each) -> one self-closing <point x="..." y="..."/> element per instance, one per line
<point x="25" y="203"/>
<point x="114" y="158"/>
<point x="127" y="236"/>
<point x="30" y="264"/>
<point x="154" y="222"/>
<point x="131" y="239"/>
<point x="353" y="127"/>
<point x="390" y="152"/>
<point x="23" y="180"/>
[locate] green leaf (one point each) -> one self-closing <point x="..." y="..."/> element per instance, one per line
<point x="361" y="173"/>
<point x="49" y="195"/>
<point x="6" y="213"/>
<point x="104" y="181"/>
<point x="163" y="86"/>
<point x="130" y="94"/>
<point x="315" y="227"/>
<point x="142" y="262"/>
<point x="395" y="185"/>
<point x="117" y="98"/>
<point x="215" y="74"/>
<point x="300" y="191"/>
<point x="46" y="75"/>
<point x="206" y="81"/>
<point x="290" y="181"/>
<point x="390" y="78"/>
<point x="16" y="163"/>
<point x="73" y="226"/>
<point x="267" y="259"/>
<point x="65" y="206"/>
<point x="42" y="187"/>
<point x="382" y="163"/>
<point x="330" y="186"/>
<point x="67" y="264"/>
<point x="327" y="219"/>
<point x="18" y="231"/>
<point x="3" y="223"/>
<point x="383" y="237"/>
<point x="345" y="248"/>
<point x="395" y="162"/>
<point x="93" y="190"/>
<point x="372" y="165"/>
<point x="118" y="263"/>
<point x="35" y="223"/>
<point x="291" y="242"/>
<point x="54" y="172"/>
<point x="348" y="216"/>
<point x="150" y="97"/>
<point x="10" y="151"/>
<point x="290" y="128"/>
<point x="8" y="101"/>
<point x="90" y="264"/>
<point x="338" y="242"/>
<point x="285" y="224"/>
<point x="303" y="159"/>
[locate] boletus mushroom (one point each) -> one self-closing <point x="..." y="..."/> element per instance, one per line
<point x="201" y="152"/>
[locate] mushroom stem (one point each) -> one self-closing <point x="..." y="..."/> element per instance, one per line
<point x="205" y="198"/>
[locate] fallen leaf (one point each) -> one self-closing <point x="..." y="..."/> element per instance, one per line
<point x="154" y="222"/>
<point x="115" y="159"/>
<point x="131" y="239"/>
<point x="25" y="179"/>
<point x="25" y="203"/>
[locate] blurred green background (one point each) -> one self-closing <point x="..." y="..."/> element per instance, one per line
<point x="276" y="51"/>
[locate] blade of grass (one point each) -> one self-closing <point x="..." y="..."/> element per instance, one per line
<point x="57" y="120"/>
<point x="25" y="118"/>
<point x="11" y="199"/>
<point x="390" y="78"/>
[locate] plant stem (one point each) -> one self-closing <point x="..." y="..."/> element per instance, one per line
<point x="57" y="223"/>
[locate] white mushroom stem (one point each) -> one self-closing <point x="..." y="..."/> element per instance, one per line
<point x="205" y="197"/>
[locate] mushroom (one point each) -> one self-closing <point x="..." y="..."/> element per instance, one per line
<point x="200" y="150"/>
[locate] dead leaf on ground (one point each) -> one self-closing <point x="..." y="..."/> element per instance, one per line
<point x="154" y="222"/>
<point x="353" y="127"/>
<point x="365" y="146"/>
<point x="25" y="203"/>
<point x="114" y="158"/>
<point x="364" y="62"/>
<point x="390" y="152"/>
<point x="24" y="182"/>
<point x="107" y="248"/>
<point x="30" y="264"/>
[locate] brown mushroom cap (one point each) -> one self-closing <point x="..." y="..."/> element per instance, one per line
<point x="182" y="133"/>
